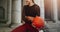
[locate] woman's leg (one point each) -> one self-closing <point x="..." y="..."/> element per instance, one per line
<point x="20" y="29"/>
<point x="30" y="28"/>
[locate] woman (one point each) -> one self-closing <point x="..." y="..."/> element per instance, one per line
<point x="30" y="11"/>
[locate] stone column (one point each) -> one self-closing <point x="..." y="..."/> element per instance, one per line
<point x="9" y="8"/>
<point x="42" y="8"/>
<point x="16" y="11"/>
<point x="55" y="10"/>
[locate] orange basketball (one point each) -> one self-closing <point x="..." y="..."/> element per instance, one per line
<point x="38" y="22"/>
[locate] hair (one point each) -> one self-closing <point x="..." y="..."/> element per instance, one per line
<point x="33" y="1"/>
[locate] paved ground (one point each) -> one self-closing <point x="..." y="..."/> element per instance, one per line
<point x="52" y="27"/>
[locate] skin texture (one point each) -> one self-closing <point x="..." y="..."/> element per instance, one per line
<point x="29" y="2"/>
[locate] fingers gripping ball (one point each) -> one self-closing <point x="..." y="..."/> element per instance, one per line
<point x="38" y="22"/>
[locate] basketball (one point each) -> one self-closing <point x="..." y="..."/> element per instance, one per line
<point x="38" y="22"/>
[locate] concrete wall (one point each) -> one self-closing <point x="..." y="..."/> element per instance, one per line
<point x="58" y="8"/>
<point x="3" y="3"/>
<point x="7" y="5"/>
<point x="49" y="14"/>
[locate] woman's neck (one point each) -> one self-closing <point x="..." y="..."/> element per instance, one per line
<point x="31" y="4"/>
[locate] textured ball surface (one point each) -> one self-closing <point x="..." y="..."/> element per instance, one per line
<point x="38" y="22"/>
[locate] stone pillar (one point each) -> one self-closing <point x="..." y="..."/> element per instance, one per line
<point x="9" y="8"/>
<point x="55" y="10"/>
<point x="16" y="11"/>
<point x="42" y="8"/>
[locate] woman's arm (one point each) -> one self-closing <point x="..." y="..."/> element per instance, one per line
<point x="37" y="9"/>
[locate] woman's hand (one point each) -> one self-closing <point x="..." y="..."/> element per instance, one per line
<point x="29" y="18"/>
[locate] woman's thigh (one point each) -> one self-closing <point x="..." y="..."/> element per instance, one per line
<point x="31" y="28"/>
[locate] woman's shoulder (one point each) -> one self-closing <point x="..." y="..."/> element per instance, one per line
<point x="36" y="5"/>
<point x="25" y="5"/>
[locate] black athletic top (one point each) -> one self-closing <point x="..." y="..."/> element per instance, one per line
<point x="30" y="11"/>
